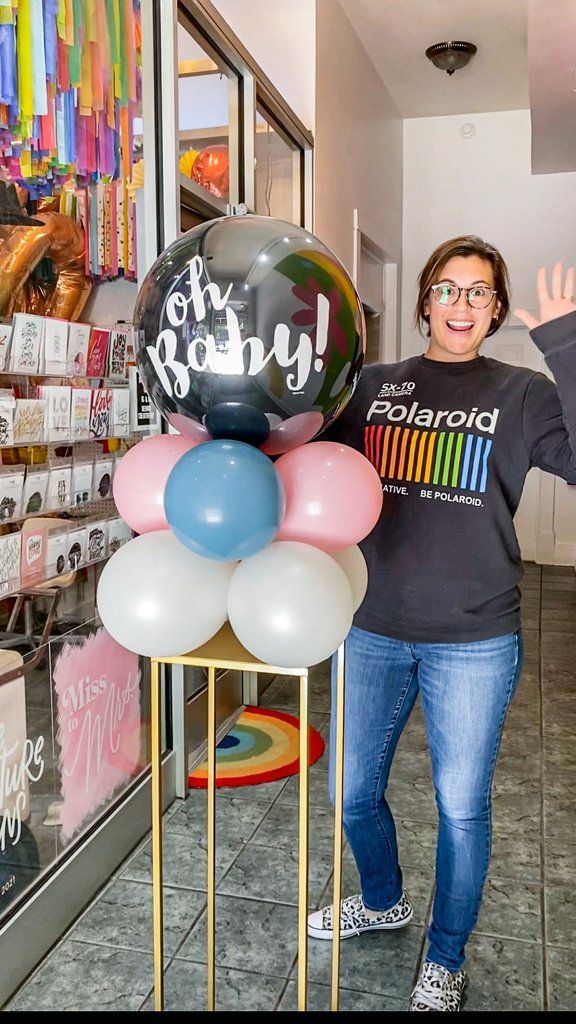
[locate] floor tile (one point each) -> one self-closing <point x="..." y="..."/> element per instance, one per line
<point x="560" y="915"/>
<point x="385" y="961"/>
<point x="268" y="873"/>
<point x="416" y="844"/>
<point x="516" y="854"/>
<point x="122" y="916"/>
<point x="184" y="861"/>
<point x="517" y="811"/>
<point x="560" y="861"/>
<point x="185" y="989"/>
<point x="251" y="935"/>
<point x="237" y="818"/>
<point x="503" y="975"/>
<point x="319" y="999"/>
<point x="413" y="799"/>
<point x="511" y="909"/>
<point x="79" y="976"/>
<point x="318" y="794"/>
<point x="280" y="828"/>
<point x="560" y="805"/>
<point x="561" y="975"/>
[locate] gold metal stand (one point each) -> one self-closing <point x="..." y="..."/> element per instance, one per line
<point x="225" y="651"/>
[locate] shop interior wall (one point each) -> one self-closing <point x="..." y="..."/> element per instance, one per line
<point x="111" y="301"/>
<point x="482" y="184"/>
<point x="358" y="156"/>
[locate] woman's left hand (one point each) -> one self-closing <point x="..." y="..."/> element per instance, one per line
<point x="551" y="307"/>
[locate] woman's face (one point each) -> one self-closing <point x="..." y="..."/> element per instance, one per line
<point x="457" y="331"/>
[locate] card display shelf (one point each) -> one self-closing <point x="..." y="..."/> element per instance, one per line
<point x="11" y="587"/>
<point x="69" y="440"/>
<point x="82" y="381"/>
<point x="90" y="508"/>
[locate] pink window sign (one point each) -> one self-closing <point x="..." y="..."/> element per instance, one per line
<point x="97" y="686"/>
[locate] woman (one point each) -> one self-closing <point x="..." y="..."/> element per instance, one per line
<point x="453" y="435"/>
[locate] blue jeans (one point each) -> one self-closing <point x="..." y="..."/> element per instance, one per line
<point x="466" y="690"/>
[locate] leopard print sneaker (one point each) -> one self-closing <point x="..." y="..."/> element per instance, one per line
<point x="438" y="988"/>
<point x="354" y="920"/>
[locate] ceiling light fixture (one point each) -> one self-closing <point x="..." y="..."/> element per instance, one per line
<point x="450" y="57"/>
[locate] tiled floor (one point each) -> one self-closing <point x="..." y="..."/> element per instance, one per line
<point x="522" y="954"/>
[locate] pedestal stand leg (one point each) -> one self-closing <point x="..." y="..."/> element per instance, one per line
<point x="157" y="906"/>
<point x="303" y="849"/>
<point x="211" y="840"/>
<point x="338" y="793"/>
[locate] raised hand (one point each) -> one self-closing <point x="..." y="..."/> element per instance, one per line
<point x="551" y="306"/>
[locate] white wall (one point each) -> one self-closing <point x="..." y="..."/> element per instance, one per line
<point x="358" y="143"/>
<point x="483" y="185"/>
<point x="281" y="37"/>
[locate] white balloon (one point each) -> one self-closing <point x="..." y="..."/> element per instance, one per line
<point x="159" y="599"/>
<point x="290" y="604"/>
<point x="352" y="561"/>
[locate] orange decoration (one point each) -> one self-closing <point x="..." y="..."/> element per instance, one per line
<point x="211" y="170"/>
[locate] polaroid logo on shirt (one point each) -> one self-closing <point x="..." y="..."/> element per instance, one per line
<point x="397" y="390"/>
<point x="484" y="421"/>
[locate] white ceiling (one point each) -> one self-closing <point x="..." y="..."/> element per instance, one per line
<point x="396" y="33"/>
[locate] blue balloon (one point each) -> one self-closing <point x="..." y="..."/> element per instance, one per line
<point x="224" y="500"/>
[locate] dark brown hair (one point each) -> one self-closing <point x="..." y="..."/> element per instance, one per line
<point x="464" y="245"/>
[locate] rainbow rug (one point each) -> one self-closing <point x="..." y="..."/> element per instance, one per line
<point x="262" y="746"/>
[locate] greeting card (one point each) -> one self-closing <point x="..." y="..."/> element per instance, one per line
<point x="78" y="341"/>
<point x="27" y="335"/>
<point x="55" y="346"/>
<point x="33" y="560"/>
<point x="102" y="480"/>
<point x="7" y="407"/>
<point x="120" y="412"/>
<point x="82" y="483"/>
<point x="118" y="352"/>
<point x="80" y="414"/>
<point x="98" y="352"/>
<point x="100" y="412"/>
<point x="10" y="555"/>
<point x="97" y="543"/>
<point x="119" y="533"/>
<point x="11" y="487"/>
<point x="58" y="400"/>
<point x="59" y="487"/>
<point x="29" y="418"/>
<point x="76" y="547"/>
<point x="56" y="553"/>
<point x="35" y="487"/>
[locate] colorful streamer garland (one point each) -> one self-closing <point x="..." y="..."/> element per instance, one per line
<point x="70" y="87"/>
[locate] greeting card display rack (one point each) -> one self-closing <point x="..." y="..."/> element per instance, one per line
<point x="224" y="651"/>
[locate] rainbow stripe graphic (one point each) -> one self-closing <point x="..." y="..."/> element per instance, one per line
<point x="442" y="458"/>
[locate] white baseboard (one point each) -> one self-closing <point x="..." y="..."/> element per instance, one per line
<point x="565" y="553"/>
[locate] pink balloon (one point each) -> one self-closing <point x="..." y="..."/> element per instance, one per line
<point x="190" y="428"/>
<point x="292" y="433"/>
<point x="333" y="495"/>
<point x="140" y="480"/>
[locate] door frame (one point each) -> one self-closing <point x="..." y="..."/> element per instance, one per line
<point x="390" y="333"/>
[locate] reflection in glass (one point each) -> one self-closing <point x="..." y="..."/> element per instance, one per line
<point x="203" y="117"/>
<point x="74" y="734"/>
<point x="277" y="171"/>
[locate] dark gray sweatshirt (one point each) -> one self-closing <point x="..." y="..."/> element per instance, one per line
<point x="453" y="443"/>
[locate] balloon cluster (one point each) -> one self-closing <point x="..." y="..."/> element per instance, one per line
<point x="238" y="518"/>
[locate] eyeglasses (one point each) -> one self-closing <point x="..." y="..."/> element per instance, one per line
<point x="447" y="294"/>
